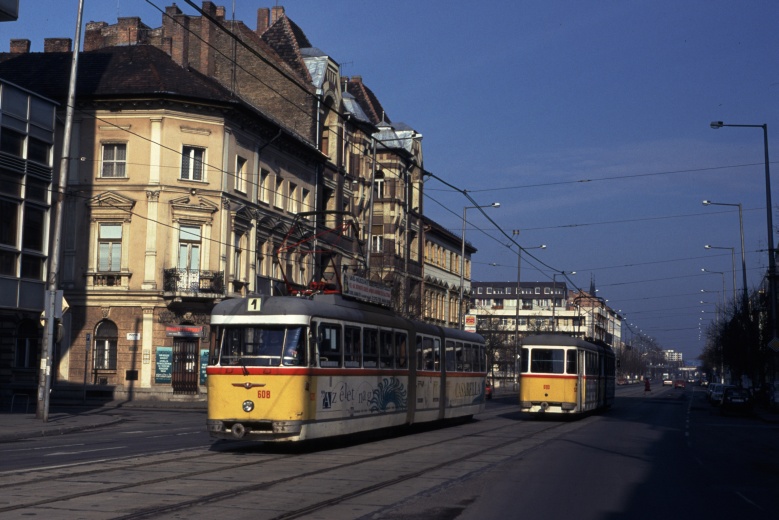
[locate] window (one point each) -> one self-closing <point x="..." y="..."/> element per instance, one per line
<point x="11" y="142"/>
<point x="377" y="242"/>
<point x="109" y="249"/>
<point x="237" y="254"/>
<point x="27" y="345"/>
<point x="114" y="160"/>
<point x="192" y="160"/>
<point x="105" y="346"/>
<point x="378" y="186"/>
<point x="9" y="218"/>
<point x="189" y="258"/>
<point x="547" y="360"/>
<point x="240" y="174"/>
<point x="294" y="203"/>
<point x="38" y="151"/>
<point x="278" y="199"/>
<point x="264" y="197"/>
<point x="329" y="345"/>
<point x="306" y="197"/>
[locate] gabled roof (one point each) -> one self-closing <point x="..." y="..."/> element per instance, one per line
<point x="110" y="72"/>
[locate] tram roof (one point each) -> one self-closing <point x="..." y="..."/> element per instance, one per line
<point x="561" y="340"/>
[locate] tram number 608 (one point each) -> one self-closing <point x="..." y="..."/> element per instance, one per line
<point x="263" y="394"/>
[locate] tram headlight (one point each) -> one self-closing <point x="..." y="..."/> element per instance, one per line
<point x="247" y="406"/>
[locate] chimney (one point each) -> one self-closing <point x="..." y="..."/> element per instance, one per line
<point x="179" y="50"/>
<point x="207" y="36"/>
<point x="93" y="36"/>
<point x="220" y="13"/>
<point x="19" y="46"/>
<point x="276" y="13"/>
<point x="263" y="17"/>
<point x="57" y="44"/>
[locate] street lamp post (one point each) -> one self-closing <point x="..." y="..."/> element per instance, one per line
<point x="733" y="260"/>
<point x="769" y="219"/>
<point x="743" y="257"/>
<point x="462" y="257"/>
<point x="519" y="297"/>
<point x="721" y="273"/>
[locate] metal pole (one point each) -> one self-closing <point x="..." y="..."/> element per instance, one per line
<point x="44" y="383"/>
<point x="460" y="312"/>
<point x="516" y="317"/>
<point x="743" y="259"/>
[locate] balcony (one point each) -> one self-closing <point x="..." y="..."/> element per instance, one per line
<point x="188" y="283"/>
<point x="109" y="279"/>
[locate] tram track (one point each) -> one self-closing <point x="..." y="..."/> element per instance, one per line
<point x="220" y="466"/>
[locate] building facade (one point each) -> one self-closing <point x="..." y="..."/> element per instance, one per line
<point x="27" y="136"/>
<point x="196" y="162"/>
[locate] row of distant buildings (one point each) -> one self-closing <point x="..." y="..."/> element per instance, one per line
<point x="208" y="160"/>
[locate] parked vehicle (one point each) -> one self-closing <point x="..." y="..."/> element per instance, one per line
<point x="717" y="392"/>
<point x="736" y="400"/>
<point x="773" y="395"/>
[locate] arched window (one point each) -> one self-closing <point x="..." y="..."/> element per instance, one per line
<point x="27" y="345"/>
<point x="106" y="335"/>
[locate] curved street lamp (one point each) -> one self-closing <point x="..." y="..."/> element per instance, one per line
<point x="462" y="257"/>
<point x="743" y="258"/>
<point x="769" y="219"/>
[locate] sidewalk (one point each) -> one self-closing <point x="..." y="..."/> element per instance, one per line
<point x="69" y="417"/>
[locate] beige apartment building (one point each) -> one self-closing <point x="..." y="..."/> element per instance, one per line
<point x="193" y="160"/>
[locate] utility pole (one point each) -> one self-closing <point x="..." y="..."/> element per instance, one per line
<point x="54" y="297"/>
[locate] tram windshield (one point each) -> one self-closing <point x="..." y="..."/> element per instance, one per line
<point x="263" y="346"/>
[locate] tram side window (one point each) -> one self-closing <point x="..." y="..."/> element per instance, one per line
<point x="437" y="354"/>
<point x="547" y="360"/>
<point x="427" y="355"/>
<point x="524" y="358"/>
<point x="385" y="349"/>
<point x="590" y="364"/>
<point x="570" y="361"/>
<point x="329" y="345"/>
<point x="352" y="347"/>
<point x="370" y="347"/>
<point x="465" y="358"/>
<point x="481" y="359"/>
<point x="450" y="361"/>
<point x="400" y="349"/>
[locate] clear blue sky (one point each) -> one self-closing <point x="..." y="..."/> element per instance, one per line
<point x="521" y="101"/>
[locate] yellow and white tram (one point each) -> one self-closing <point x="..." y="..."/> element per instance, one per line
<point x="286" y="368"/>
<point x="563" y="374"/>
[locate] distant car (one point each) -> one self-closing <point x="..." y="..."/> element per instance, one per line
<point x="622" y="381"/>
<point x="488" y="390"/>
<point x="704" y="382"/>
<point x="736" y="400"/>
<point x="668" y="381"/>
<point x="679" y="383"/>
